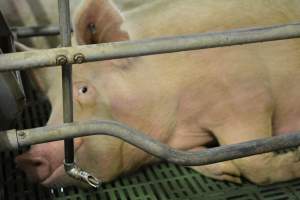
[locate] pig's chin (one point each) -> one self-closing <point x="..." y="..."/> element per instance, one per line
<point x="57" y="178"/>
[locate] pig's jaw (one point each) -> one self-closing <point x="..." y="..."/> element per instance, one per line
<point x="56" y="178"/>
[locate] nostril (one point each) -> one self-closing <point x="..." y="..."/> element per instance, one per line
<point x="37" y="163"/>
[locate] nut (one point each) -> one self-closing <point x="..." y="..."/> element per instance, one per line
<point x="22" y="134"/>
<point x="79" y="58"/>
<point x="61" y="60"/>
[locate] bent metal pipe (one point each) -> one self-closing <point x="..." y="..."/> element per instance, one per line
<point x="13" y="139"/>
<point x="106" y="51"/>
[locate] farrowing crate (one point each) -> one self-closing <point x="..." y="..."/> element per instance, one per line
<point x="164" y="181"/>
<point x="156" y="182"/>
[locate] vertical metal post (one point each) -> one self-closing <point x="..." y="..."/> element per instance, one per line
<point x="65" y="38"/>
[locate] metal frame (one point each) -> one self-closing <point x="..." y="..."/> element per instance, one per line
<point x="106" y="51"/>
<point x="65" y="38"/>
<point x="16" y="139"/>
<point x="35" y="31"/>
<point x="66" y="56"/>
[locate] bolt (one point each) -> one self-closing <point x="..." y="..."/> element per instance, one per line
<point x="79" y="58"/>
<point x="61" y="60"/>
<point x="22" y="134"/>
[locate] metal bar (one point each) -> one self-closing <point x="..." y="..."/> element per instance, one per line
<point x="65" y="38"/>
<point x="70" y="166"/>
<point x="96" y="52"/>
<point x="13" y="139"/>
<point x="35" y="31"/>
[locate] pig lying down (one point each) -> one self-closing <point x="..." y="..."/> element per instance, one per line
<point x="188" y="99"/>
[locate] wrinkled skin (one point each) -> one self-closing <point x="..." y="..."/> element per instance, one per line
<point x="186" y="100"/>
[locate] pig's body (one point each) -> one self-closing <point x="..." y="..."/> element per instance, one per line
<point x="186" y="99"/>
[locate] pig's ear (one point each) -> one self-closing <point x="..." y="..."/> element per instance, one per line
<point x="98" y="21"/>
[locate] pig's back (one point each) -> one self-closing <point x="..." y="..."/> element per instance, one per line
<point x="278" y="63"/>
<point x="177" y="17"/>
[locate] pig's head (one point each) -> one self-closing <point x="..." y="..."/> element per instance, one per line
<point x="94" y="84"/>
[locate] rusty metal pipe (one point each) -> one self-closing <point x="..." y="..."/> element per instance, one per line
<point x="106" y="51"/>
<point x="13" y="139"/>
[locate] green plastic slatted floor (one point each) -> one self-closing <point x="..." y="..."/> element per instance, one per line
<point x="156" y="182"/>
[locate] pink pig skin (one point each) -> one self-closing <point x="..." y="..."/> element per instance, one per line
<point x="188" y="99"/>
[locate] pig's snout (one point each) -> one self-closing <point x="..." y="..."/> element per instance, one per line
<point x="37" y="169"/>
<point x="43" y="162"/>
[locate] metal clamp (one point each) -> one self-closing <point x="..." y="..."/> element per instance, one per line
<point x="76" y="172"/>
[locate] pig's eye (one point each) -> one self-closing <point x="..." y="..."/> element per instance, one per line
<point x="84" y="93"/>
<point x="83" y="89"/>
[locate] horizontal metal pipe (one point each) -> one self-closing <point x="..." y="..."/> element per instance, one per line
<point x="13" y="139"/>
<point x="35" y="31"/>
<point x="105" y="51"/>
